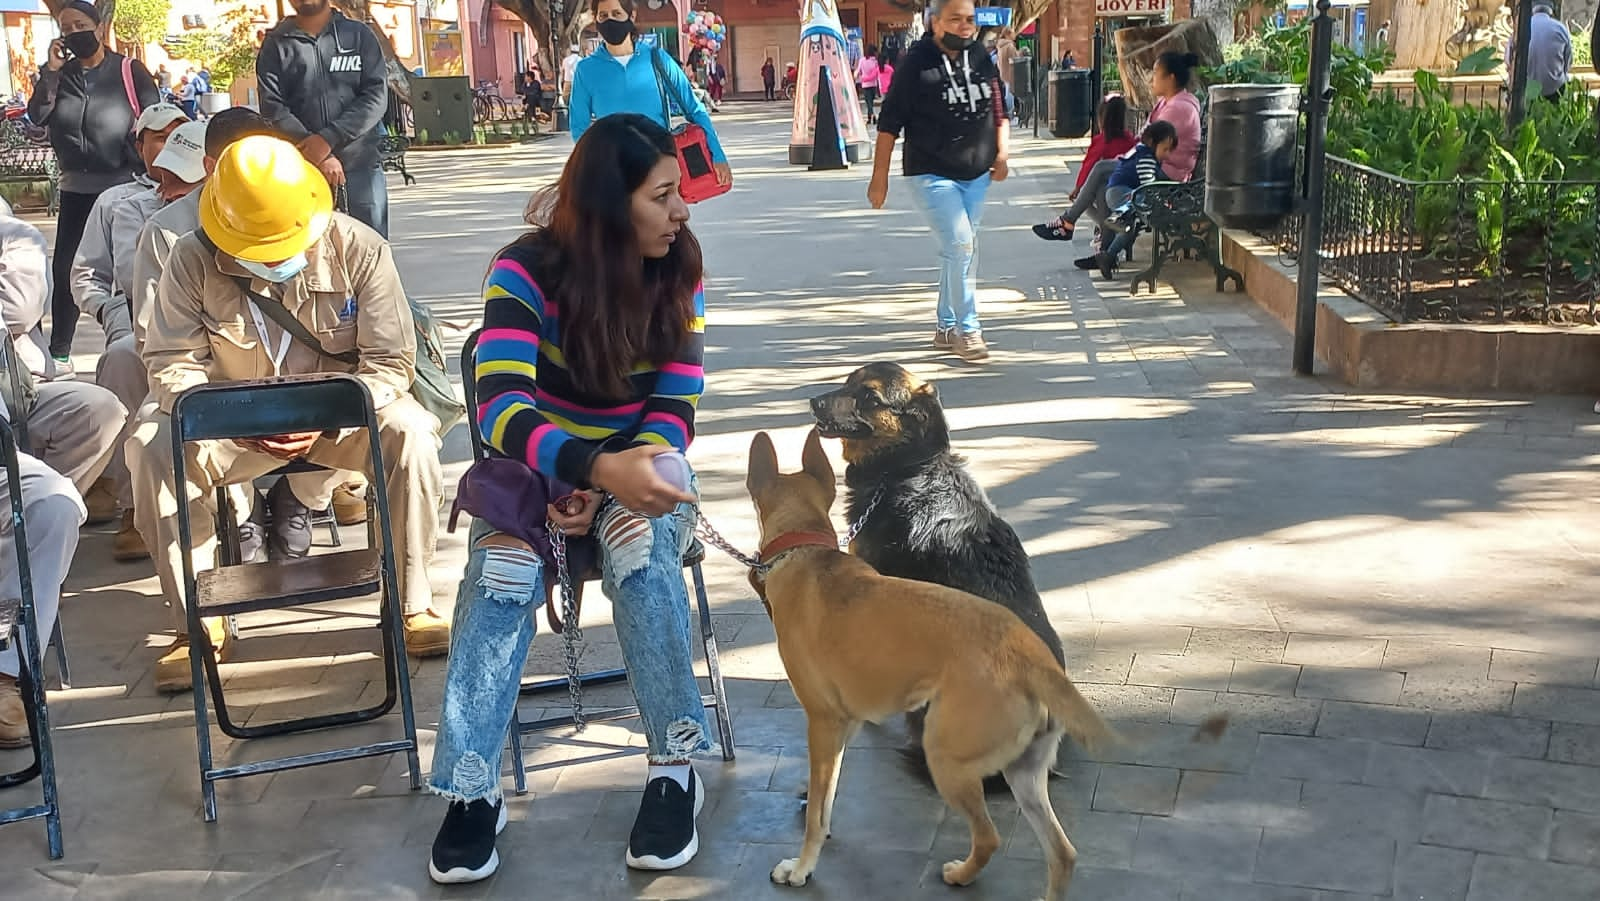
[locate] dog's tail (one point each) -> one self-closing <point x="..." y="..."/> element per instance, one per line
<point x="1050" y="686"/>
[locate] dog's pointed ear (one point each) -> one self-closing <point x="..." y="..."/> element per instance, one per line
<point x="763" y="463"/>
<point x="814" y="460"/>
<point x="924" y="401"/>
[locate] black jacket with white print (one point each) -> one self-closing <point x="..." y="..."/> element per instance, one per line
<point x="330" y="84"/>
<point x="949" y="109"/>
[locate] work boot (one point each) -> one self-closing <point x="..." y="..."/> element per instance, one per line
<point x="128" y="546"/>
<point x="13" y="715"/>
<point x="172" y="670"/>
<point x="349" y="504"/>
<point x="290" y="535"/>
<point x="101" y="502"/>
<point x="427" y="634"/>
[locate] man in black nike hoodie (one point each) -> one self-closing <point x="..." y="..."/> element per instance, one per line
<point x="322" y="84"/>
<point x="946" y="98"/>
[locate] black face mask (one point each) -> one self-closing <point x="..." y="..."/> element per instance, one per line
<point x="955" y="43"/>
<point x="83" y="44"/>
<point x="615" y="31"/>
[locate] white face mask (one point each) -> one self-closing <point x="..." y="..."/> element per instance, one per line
<point x="276" y="274"/>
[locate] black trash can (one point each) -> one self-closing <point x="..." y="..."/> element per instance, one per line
<point x="1071" y="102"/>
<point x="1022" y="76"/>
<point x="1250" y="161"/>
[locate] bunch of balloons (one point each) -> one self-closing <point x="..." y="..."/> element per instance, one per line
<point x="706" y="29"/>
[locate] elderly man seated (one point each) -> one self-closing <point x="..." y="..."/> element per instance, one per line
<point x="268" y="235"/>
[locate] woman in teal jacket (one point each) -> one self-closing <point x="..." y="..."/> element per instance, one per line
<point x="626" y="77"/>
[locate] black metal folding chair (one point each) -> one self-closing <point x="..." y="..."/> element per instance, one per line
<point x="258" y="409"/>
<point x="19" y="623"/>
<point x="692" y="559"/>
<point x="13" y="374"/>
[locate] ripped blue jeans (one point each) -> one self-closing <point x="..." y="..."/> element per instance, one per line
<point x="497" y="607"/>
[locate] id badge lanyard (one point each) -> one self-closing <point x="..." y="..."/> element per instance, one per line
<point x="276" y="356"/>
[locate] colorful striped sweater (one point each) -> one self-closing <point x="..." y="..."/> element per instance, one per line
<point x="528" y="407"/>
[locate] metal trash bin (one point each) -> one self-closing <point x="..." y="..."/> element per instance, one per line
<point x="1071" y="106"/>
<point x="1250" y="161"/>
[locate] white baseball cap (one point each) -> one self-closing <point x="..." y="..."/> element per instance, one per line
<point x="185" y="153"/>
<point x="157" y="116"/>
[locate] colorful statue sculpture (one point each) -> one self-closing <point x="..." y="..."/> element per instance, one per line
<point x="1484" y="23"/>
<point x="822" y="46"/>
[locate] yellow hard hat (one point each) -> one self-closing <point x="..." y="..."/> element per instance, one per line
<point x="265" y="203"/>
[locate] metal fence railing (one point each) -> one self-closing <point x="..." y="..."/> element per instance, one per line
<point x="1459" y="251"/>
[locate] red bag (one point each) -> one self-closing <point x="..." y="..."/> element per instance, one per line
<point x="699" y="180"/>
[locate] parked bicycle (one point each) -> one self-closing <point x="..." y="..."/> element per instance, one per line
<point x="487" y="104"/>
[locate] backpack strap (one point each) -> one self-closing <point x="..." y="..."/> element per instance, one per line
<point x="274" y="309"/>
<point x="127" y="85"/>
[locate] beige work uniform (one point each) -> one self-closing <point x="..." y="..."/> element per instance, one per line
<point x="201" y="331"/>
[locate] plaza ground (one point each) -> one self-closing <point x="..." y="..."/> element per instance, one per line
<point x="1392" y="595"/>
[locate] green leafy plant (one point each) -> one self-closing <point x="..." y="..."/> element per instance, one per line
<point x="1582" y="49"/>
<point x="1483" y="61"/>
<point x="227" y="50"/>
<point x="141" y="22"/>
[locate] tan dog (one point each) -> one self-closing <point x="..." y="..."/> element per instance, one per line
<point x="859" y="646"/>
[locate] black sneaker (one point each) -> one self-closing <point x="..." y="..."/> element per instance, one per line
<point x="291" y="523"/>
<point x="664" y="836"/>
<point x="463" y="851"/>
<point x="1089" y="262"/>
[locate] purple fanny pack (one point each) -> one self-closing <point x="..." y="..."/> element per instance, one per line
<point x="512" y="498"/>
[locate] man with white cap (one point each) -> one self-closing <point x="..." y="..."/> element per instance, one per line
<point x="102" y="275"/>
<point x="267" y="222"/>
<point x="291" y="501"/>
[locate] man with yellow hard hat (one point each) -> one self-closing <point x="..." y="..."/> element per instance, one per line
<point x="267" y="225"/>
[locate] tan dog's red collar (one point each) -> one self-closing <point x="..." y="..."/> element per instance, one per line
<point x="788" y="541"/>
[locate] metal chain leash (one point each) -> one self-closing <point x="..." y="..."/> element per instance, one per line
<point x="571" y="635"/>
<point x="711" y="536"/>
<point x="855" y="528"/>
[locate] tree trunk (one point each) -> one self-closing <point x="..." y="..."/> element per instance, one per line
<point x="1139" y="47"/>
<point x="1419" y="31"/>
<point x="1219" y="15"/>
<point x="395" y="72"/>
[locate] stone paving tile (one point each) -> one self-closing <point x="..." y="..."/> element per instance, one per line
<point x="1123" y="885"/>
<point x="1548" y="669"/>
<point x="1546" y="783"/>
<point x="1247" y="712"/>
<point x="1438" y="661"/>
<point x="1576" y="839"/>
<point x="1433" y="693"/>
<point x="1334" y="650"/>
<point x="1349" y="684"/>
<point x="1143" y="638"/>
<point x="1214" y="890"/>
<point x="1250" y="677"/>
<point x="1240" y="800"/>
<point x="1391" y="725"/>
<point x="1427" y="873"/>
<point x="1517" y="737"/>
<point x="1298" y="757"/>
<point x="1555" y="702"/>
<point x="1366" y="809"/>
<point x="1429" y="770"/>
<point x="1145" y="703"/>
<point x="1239" y="644"/>
<point x="1493" y="827"/>
<point x="1326" y="858"/>
<point x="1178" y="671"/>
<point x="1109" y="667"/>
<point x="1125" y="788"/>
<point x="1511" y="879"/>
<point x="1575" y="743"/>
<point x="1103" y="839"/>
<point x="1192" y="850"/>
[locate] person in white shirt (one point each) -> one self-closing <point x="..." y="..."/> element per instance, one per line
<point x="102" y="274"/>
<point x="569" y="68"/>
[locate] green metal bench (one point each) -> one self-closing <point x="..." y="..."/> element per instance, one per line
<point x="1175" y="215"/>
<point x="27" y="163"/>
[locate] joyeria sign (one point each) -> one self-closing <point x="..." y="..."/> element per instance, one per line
<point x="1131" y="9"/>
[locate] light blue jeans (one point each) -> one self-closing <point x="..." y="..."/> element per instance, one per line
<point x="497" y="607"/>
<point x="954" y="210"/>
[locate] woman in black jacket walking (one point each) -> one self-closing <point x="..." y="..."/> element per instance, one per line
<point x="88" y="97"/>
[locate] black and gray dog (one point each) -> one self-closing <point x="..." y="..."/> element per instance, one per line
<point x="932" y="521"/>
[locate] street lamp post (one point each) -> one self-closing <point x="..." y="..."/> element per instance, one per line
<point x="559" y="114"/>
<point x="1519" y="64"/>
<point x="1319" y="94"/>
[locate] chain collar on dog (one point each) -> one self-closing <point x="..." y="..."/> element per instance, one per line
<point x="761" y="562"/>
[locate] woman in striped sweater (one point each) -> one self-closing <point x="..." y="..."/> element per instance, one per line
<point x="588" y="367"/>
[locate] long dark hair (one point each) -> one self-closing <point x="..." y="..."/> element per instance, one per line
<point x="1114" y="117"/>
<point x="613" y="314"/>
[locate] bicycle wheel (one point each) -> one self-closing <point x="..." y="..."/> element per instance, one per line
<point x="480" y="109"/>
<point x="788" y="92"/>
<point x="502" y="109"/>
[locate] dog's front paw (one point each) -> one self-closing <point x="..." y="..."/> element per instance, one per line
<point x="788" y="872"/>
<point x="959" y="872"/>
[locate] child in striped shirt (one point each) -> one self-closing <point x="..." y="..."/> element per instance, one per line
<point x="1139" y="166"/>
